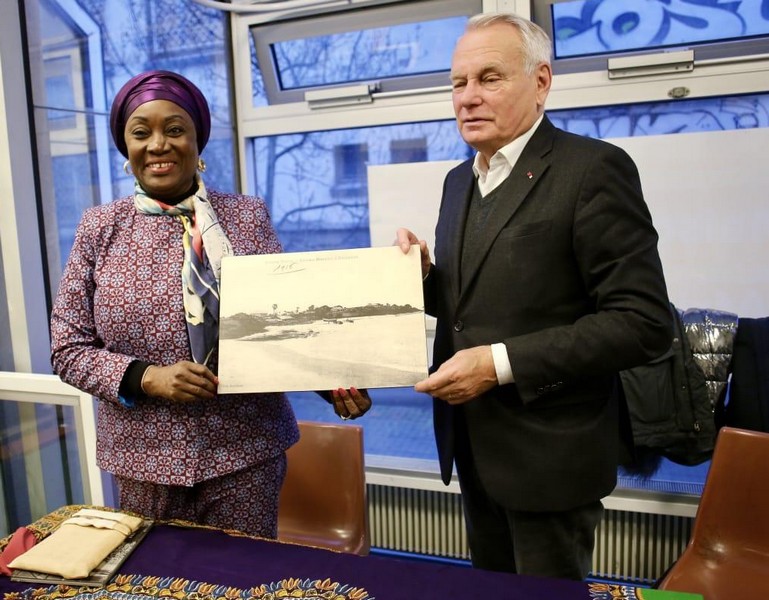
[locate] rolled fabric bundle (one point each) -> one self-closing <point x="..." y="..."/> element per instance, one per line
<point x="79" y="545"/>
<point x="21" y="541"/>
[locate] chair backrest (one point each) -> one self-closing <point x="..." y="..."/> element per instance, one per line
<point x="323" y="499"/>
<point x="733" y="515"/>
<point x="727" y="557"/>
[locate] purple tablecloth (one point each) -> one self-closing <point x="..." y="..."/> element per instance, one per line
<point x="214" y="557"/>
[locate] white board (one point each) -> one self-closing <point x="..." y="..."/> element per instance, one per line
<point x="709" y="197"/>
<point x="708" y="194"/>
<point x="405" y="195"/>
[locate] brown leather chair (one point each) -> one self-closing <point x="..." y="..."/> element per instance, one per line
<point x="323" y="499"/>
<point x="727" y="557"/>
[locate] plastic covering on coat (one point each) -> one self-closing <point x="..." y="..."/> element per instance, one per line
<point x="711" y="337"/>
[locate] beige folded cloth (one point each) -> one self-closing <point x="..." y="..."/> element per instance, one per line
<point x="79" y="545"/>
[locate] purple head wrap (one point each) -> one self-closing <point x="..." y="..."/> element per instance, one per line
<point x="159" y="85"/>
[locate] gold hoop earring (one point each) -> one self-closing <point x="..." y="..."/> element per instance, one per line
<point x="201" y="165"/>
<point x="127" y="168"/>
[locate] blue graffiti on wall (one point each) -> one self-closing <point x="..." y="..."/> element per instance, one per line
<point x="585" y="27"/>
<point x="660" y="118"/>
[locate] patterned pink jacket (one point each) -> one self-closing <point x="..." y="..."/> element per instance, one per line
<point x="120" y="299"/>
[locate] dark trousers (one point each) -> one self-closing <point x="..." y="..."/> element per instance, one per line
<point x="548" y="544"/>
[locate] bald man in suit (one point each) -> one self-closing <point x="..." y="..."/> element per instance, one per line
<point x="546" y="283"/>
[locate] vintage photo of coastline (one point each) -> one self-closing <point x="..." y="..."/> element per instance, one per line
<point x="322" y="320"/>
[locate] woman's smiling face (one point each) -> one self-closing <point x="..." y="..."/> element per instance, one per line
<point x="162" y="148"/>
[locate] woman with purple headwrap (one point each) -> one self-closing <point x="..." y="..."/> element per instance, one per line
<point x="135" y="323"/>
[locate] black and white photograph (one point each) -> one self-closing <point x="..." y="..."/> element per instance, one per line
<point x="322" y="320"/>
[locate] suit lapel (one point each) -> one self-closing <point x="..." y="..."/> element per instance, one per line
<point x="459" y="191"/>
<point x="529" y="168"/>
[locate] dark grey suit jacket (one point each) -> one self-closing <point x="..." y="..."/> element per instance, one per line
<point x="570" y="280"/>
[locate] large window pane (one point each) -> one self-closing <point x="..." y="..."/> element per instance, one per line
<point x="315" y="182"/>
<point x="367" y="54"/>
<point x="39" y="465"/>
<point x="87" y="50"/>
<point x="409" y="47"/>
<point x="399" y="424"/>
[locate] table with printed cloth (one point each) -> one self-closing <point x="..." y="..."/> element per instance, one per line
<point x="179" y="560"/>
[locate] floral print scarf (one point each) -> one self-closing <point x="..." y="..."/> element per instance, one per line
<point x="205" y="244"/>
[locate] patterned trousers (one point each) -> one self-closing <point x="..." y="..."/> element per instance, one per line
<point x="246" y="500"/>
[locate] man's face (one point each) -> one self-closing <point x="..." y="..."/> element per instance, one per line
<point x="494" y="100"/>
